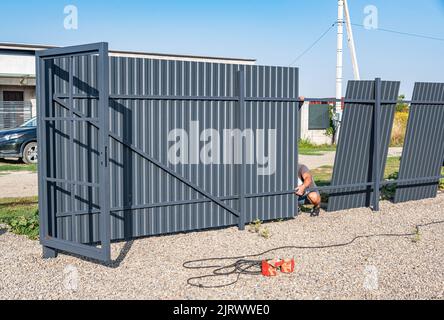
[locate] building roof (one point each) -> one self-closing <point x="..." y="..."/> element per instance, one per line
<point x="32" y="48"/>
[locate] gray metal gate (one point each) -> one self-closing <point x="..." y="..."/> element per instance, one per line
<point x="73" y="143"/>
<point x="111" y="178"/>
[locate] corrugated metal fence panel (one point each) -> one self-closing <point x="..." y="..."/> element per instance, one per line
<point x="353" y="162"/>
<point x="423" y="151"/>
<point x="271" y="82"/>
<point x="146" y="125"/>
<point x="80" y="163"/>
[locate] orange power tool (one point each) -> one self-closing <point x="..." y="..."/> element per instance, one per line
<point x="271" y="267"/>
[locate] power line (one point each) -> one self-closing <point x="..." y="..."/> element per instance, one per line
<point x="409" y="34"/>
<point x="312" y="45"/>
<point x="402" y="33"/>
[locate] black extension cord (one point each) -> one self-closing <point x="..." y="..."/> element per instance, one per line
<point x="243" y="266"/>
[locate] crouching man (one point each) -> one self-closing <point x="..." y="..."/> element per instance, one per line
<point x="306" y="182"/>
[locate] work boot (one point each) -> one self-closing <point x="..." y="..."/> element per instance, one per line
<point x="315" y="212"/>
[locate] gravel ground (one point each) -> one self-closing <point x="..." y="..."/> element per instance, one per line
<point x="151" y="268"/>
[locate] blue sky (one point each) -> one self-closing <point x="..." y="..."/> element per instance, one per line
<point x="272" y="31"/>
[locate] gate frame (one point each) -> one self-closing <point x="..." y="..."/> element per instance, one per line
<point x="50" y="244"/>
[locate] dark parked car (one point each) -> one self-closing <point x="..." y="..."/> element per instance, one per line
<point x="20" y="142"/>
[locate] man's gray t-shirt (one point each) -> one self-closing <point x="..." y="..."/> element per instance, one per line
<point x="302" y="169"/>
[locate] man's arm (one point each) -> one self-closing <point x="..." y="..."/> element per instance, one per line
<point x="308" y="179"/>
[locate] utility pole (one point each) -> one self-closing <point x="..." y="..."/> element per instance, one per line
<point x="351" y="42"/>
<point x="339" y="66"/>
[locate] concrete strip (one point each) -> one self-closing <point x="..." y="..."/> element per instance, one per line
<point x="18" y="184"/>
<point x="328" y="158"/>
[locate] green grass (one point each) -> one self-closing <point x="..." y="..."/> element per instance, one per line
<point x="9" y="165"/>
<point x="323" y="175"/>
<point x="309" y="149"/>
<point x="391" y="167"/>
<point x="21" y="215"/>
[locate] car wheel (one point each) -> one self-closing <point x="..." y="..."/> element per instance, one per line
<point x="30" y="153"/>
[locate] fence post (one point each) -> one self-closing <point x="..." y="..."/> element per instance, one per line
<point x="243" y="165"/>
<point x="105" y="217"/>
<point x="376" y="144"/>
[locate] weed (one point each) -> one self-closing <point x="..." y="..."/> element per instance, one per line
<point x="21" y="215"/>
<point x="256" y="226"/>
<point x="265" y="233"/>
<point x="417" y="237"/>
<point x="28" y="226"/>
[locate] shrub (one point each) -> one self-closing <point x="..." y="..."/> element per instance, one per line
<point x="401" y="106"/>
<point x="388" y="192"/>
<point x="331" y="130"/>
<point x="399" y="129"/>
<point x="23" y="225"/>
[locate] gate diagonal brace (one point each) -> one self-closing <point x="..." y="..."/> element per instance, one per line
<point x="174" y="174"/>
<point x="157" y="163"/>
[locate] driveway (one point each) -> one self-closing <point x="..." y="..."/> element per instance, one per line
<point x="328" y="158"/>
<point x="18" y="184"/>
<point x="313" y="162"/>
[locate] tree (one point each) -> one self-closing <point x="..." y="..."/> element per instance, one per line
<point x="402" y="106"/>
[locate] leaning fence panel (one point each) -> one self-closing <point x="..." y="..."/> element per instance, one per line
<point x="354" y="155"/>
<point x="423" y="151"/>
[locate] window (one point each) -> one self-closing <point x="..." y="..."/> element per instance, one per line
<point x="30" y="123"/>
<point x="318" y="116"/>
<point x="13" y="96"/>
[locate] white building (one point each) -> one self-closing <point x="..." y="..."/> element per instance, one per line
<point x="17" y="86"/>
<point x="17" y="77"/>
